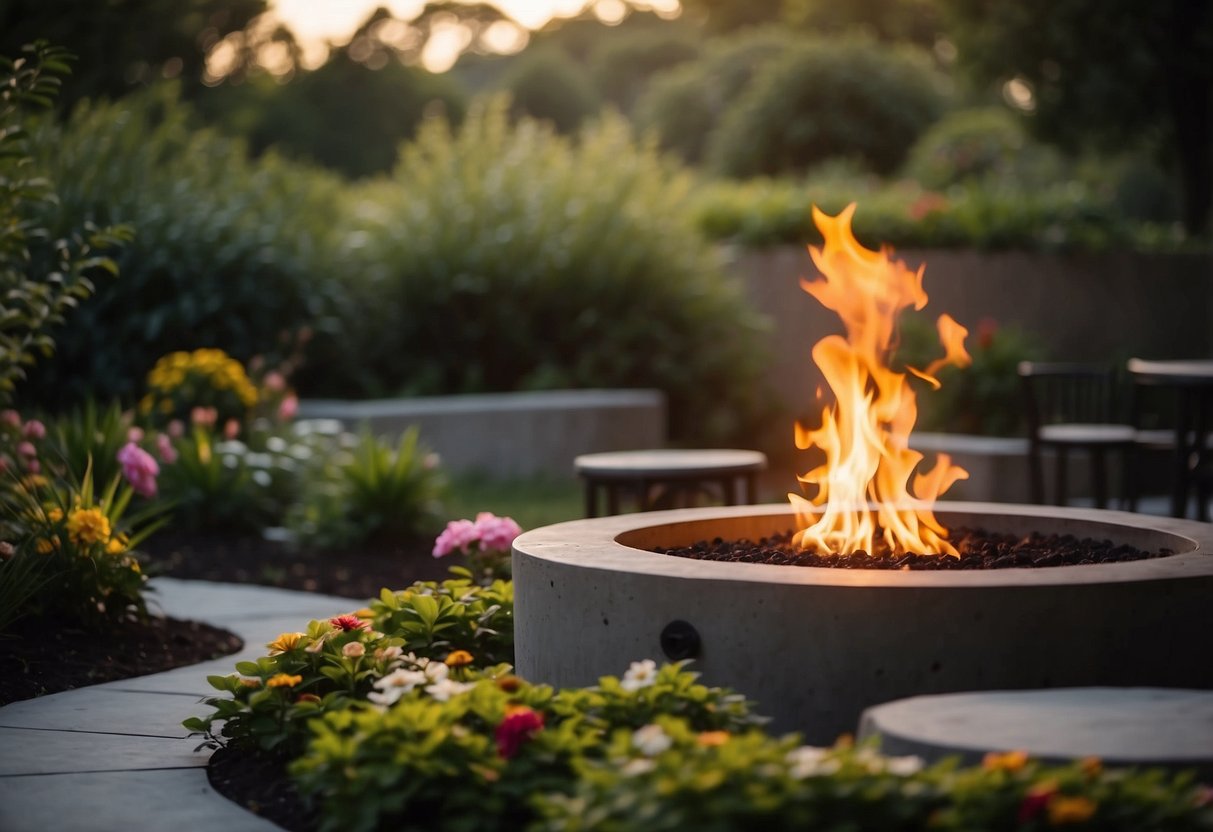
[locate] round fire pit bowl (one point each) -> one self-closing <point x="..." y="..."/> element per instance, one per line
<point x="816" y="646"/>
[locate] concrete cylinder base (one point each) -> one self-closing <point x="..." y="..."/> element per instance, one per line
<point x="815" y="647"/>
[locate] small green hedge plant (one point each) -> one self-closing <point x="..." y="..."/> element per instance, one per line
<point x="502" y="256"/>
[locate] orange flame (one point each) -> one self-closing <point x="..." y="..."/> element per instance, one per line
<point x="864" y="484"/>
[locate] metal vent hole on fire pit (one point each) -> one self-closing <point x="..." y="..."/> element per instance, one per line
<point x="679" y="640"/>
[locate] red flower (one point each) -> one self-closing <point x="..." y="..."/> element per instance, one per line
<point x="518" y="727"/>
<point x="1036" y="800"/>
<point x="349" y="622"/>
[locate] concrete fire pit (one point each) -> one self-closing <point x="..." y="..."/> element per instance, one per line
<point x="817" y="646"/>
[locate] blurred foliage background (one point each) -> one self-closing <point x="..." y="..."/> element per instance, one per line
<point x="546" y="211"/>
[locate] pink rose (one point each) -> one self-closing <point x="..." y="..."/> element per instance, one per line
<point x="11" y="418"/>
<point x="456" y="537"/>
<point x="176" y="429"/>
<point x="231" y="429"/>
<point x="134" y="435"/>
<point x="274" y="381"/>
<point x="204" y="417"/>
<point x="496" y="533"/>
<point x="27" y="449"/>
<point x="34" y="430"/>
<point x="139" y="469"/>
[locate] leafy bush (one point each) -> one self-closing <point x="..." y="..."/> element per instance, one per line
<point x="305" y="674"/>
<point x="1065" y="216"/>
<point x="41" y="276"/>
<point x="683" y="105"/>
<point x="370" y="493"/>
<point x="983" y="398"/>
<point x="827" y="99"/>
<point x="229" y="253"/>
<point x="975" y="144"/>
<point x="90" y="435"/>
<point x="547" y="85"/>
<point x="88" y="541"/>
<point x="505" y="257"/>
<point x="622" y="68"/>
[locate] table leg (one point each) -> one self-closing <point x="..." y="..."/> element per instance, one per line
<point x="1201" y="471"/>
<point x="612" y="491"/>
<point x="591" y="498"/>
<point x="728" y="490"/>
<point x="1183" y="454"/>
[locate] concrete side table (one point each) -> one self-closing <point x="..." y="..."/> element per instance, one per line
<point x="639" y="471"/>
<point x="1168" y="727"/>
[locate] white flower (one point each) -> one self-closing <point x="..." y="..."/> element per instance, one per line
<point x="637" y="765"/>
<point x="639" y="675"/>
<point x="435" y="671"/>
<point x="395" y="685"/>
<point x="651" y="740"/>
<point x="445" y="688"/>
<point x="903" y="766"/>
<point x="389" y="653"/>
<point x="353" y="650"/>
<point x="810" y="761"/>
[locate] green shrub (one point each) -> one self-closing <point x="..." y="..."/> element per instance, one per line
<point x="1065" y="216"/>
<point x="683" y="105"/>
<point x="91" y="434"/>
<point x="547" y="85"/>
<point x="229" y="253"/>
<point x="827" y="99"/>
<point x="983" y="398"/>
<point x="975" y="144"/>
<point x="505" y="257"/>
<point x="622" y="68"/>
<point x="371" y="492"/>
<point x="43" y="275"/>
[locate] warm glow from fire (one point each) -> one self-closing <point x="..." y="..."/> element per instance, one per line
<point x="864" y="494"/>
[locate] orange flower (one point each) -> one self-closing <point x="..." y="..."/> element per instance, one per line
<point x="285" y="643"/>
<point x="307" y="697"/>
<point x="86" y="526"/>
<point x="283" y="680"/>
<point x="711" y="738"/>
<point x="509" y="684"/>
<point x="250" y="683"/>
<point x="1010" y="761"/>
<point x="1091" y="766"/>
<point x="458" y="658"/>
<point x="1063" y="809"/>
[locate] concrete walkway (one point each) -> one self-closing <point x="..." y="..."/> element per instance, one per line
<point x="114" y="756"/>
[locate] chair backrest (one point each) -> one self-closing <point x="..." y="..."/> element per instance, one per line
<point x="1065" y="392"/>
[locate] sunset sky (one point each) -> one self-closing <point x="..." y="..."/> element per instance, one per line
<point x="317" y="22"/>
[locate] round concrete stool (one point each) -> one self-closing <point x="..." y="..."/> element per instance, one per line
<point x="1167" y="727"/>
<point x="674" y="470"/>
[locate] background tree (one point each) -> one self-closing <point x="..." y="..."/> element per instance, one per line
<point x="125" y="44"/>
<point x="1112" y="73"/>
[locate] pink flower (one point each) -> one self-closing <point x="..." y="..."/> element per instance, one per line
<point x="135" y="434"/>
<point x="517" y="729"/>
<point x="496" y="533"/>
<point x="27" y="449"/>
<point x="204" y="417"/>
<point x="349" y="622"/>
<point x="164" y="447"/>
<point x="176" y="429"/>
<point x="33" y="466"/>
<point x="11" y="418"/>
<point x="456" y="537"/>
<point x="139" y="469"/>
<point x="231" y="429"/>
<point x="288" y="408"/>
<point x="34" y="429"/>
<point x="274" y="381"/>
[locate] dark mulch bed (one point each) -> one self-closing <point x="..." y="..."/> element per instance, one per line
<point x="979" y="549"/>
<point x="259" y="782"/>
<point x="350" y="573"/>
<point x="40" y="656"/>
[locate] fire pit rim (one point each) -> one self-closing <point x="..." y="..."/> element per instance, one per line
<point x="594" y="544"/>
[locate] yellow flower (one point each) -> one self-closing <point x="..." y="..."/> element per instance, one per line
<point x="45" y="547"/>
<point x="86" y="526"/>
<point x="285" y="643"/>
<point x="1064" y="809"/>
<point x="55" y="515"/>
<point x="458" y="658"/>
<point x="365" y="612"/>
<point x="117" y="544"/>
<point x="1010" y="761"/>
<point x="711" y="738"/>
<point x="1091" y="766"/>
<point x="283" y="680"/>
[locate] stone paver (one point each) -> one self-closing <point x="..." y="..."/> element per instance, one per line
<point x="1127" y="726"/>
<point x="115" y="756"/>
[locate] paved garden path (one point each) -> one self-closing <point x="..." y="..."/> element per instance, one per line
<point x="115" y="756"/>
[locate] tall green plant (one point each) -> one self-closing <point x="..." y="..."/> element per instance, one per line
<point x="502" y="256"/>
<point x="231" y="252"/>
<point x="42" y="276"/>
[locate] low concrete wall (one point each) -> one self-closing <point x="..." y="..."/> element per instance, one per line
<point x="1107" y="307"/>
<point x="512" y="434"/>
